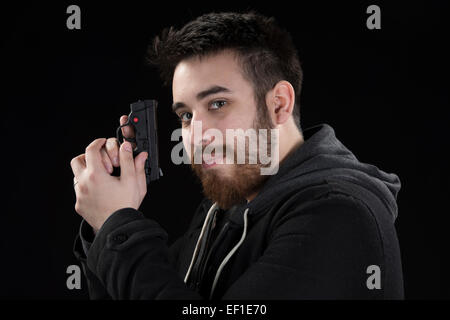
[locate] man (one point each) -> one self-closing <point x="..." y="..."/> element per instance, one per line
<point x="321" y="226"/>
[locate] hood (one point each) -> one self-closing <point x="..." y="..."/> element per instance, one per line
<point x="320" y="156"/>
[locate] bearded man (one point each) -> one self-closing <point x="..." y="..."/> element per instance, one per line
<point x="320" y="225"/>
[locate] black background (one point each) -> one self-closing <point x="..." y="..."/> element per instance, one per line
<point x="385" y="92"/>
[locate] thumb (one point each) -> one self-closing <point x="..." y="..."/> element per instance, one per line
<point x="139" y="162"/>
<point x="127" y="169"/>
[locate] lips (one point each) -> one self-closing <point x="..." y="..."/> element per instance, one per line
<point x="207" y="166"/>
<point x="208" y="160"/>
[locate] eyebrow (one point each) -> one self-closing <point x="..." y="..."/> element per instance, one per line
<point x="201" y="95"/>
<point x="212" y="90"/>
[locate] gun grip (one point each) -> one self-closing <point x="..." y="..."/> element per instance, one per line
<point x="143" y="118"/>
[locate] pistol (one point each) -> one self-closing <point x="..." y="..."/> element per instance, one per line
<point x="143" y="119"/>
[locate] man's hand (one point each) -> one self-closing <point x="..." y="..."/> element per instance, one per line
<point x="98" y="193"/>
<point x="110" y="153"/>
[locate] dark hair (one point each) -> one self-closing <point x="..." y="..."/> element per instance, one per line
<point x="266" y="52"/>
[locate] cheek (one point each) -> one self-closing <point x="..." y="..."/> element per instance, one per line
<point x="242" y="117"/>
<point x="185" y="134"/>
<point x="232" y="121"/>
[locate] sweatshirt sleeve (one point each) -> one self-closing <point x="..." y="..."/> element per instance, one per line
<point x="321" y="251"/>
<point x="83" y="242"/>
<point x="130" y="259"/>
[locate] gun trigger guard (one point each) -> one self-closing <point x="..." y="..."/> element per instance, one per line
<point x="132" y="140"/>
<point x="119" y="133"/>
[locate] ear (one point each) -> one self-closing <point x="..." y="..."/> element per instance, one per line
<point x="280" y="102"/>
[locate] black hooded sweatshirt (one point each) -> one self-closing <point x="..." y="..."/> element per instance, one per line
<point x="321" y="228"/>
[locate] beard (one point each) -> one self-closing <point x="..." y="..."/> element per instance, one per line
<point x="241" y="180"/>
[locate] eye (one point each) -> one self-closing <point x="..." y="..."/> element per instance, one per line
<point x="185" y="117"/>
<point x="217" y="104"/>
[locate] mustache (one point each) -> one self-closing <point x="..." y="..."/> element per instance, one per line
<point x="199" y="154"/>
<point x="224" y="154"/>
<point x="216" y="149"/>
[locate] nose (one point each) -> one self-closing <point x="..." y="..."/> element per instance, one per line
<point x="207" y="139"/>
<point x="200" y="134"/>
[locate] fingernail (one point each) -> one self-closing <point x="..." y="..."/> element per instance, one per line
<point x="127" y="146"/>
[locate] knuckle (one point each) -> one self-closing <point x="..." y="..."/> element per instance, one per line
<point x="82" y="187"/>
<point x="111" y="145"/>
<point x="92" y="176"/>
<point x="75" y="159"/>
<point x="95" y="143"/>
<point x="111" y="141"/>
<point x="77" y="207"/>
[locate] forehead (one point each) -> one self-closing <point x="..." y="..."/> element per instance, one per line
<point x="195" y="74"/>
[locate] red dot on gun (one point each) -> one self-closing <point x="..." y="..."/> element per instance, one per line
<point x="135" y="119"/>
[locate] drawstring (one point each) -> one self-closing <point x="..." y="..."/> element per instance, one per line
<point x="230" y="254"/>
<point x="197" y="246"/>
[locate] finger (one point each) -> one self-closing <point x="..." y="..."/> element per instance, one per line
<point x="93" y="155"/>
<point x="127" y="131"/>
<point x="123" y="119"/>
<point x="112" y="149"/>
<point x="139" y="164"/>
<point x="127" y="169"/>
<point x="78" y="164"/>
<point x="106" y="160"/>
